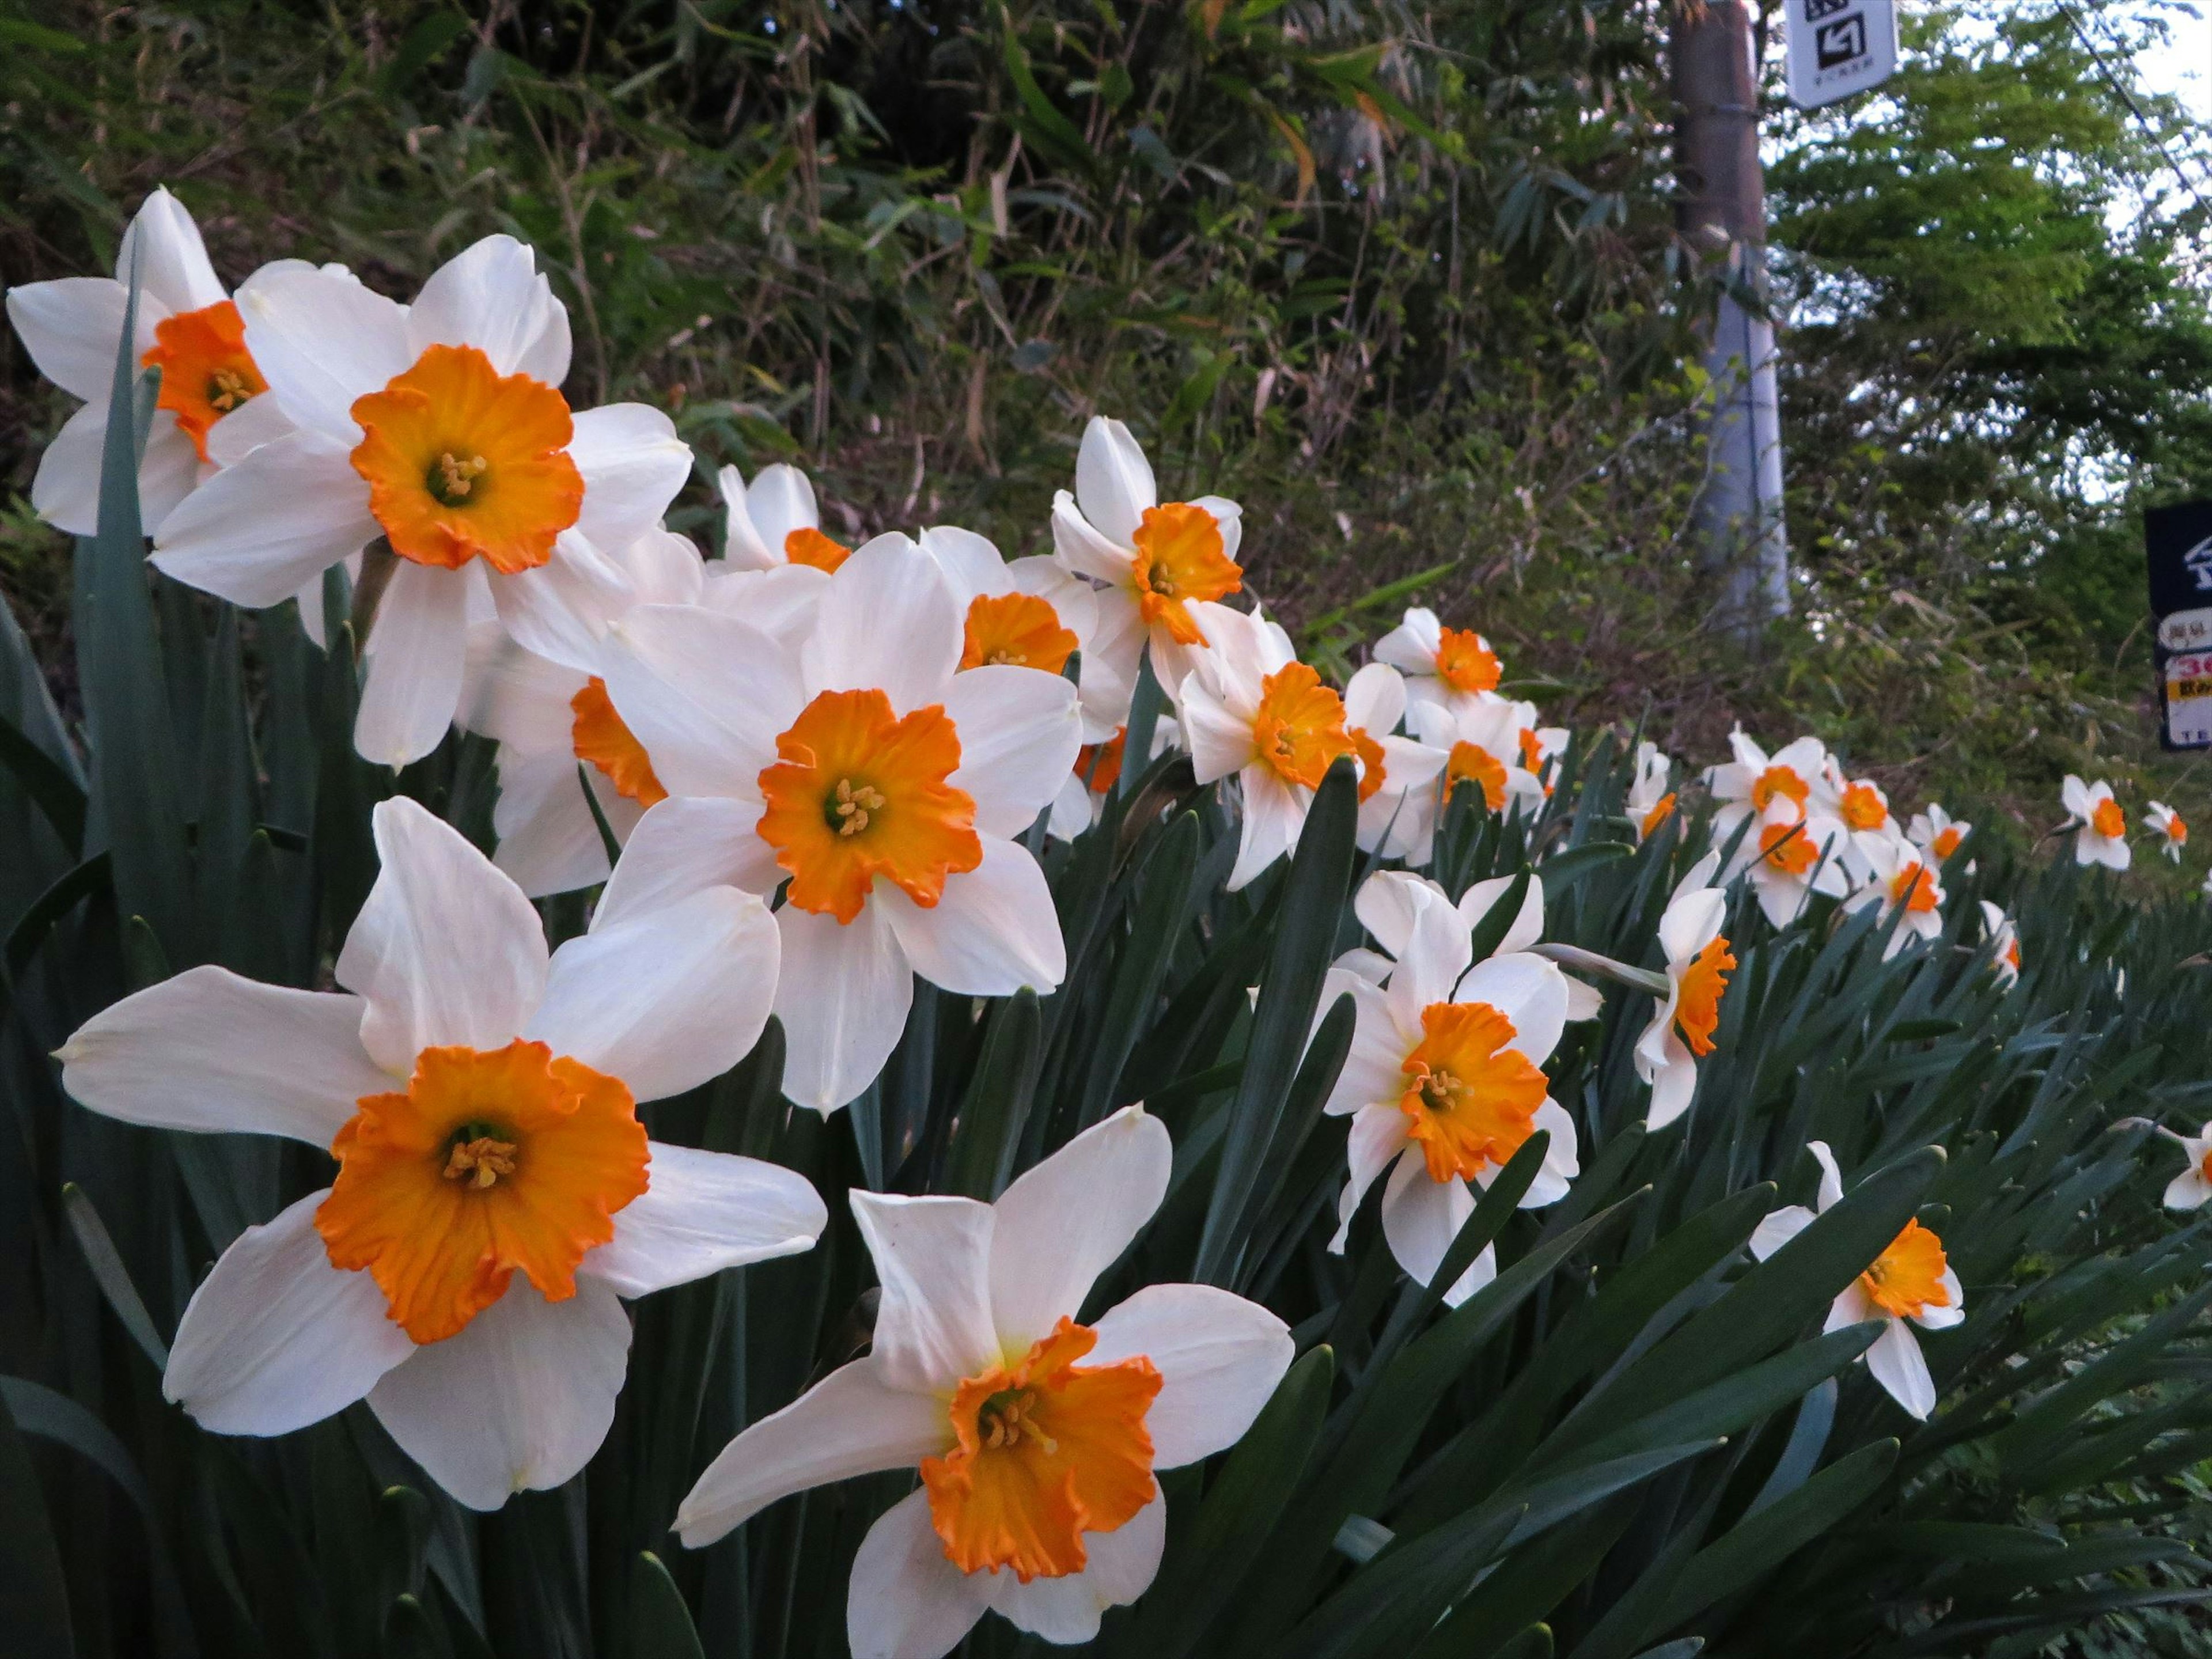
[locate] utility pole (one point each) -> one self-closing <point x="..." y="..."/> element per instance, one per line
<point x="1722" y="217"/>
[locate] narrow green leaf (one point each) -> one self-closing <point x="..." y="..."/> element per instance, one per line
<point x="659" y="1623"/>
<point x="110" y="1274"/>
<point x="34" y="1602"/>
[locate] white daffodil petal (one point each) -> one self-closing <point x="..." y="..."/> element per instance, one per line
<point x="993" y="932"/>
<point x="906" y="1600"/>
<point x="417" y="650"/>
<point x="681" y="846"/>
<point x="1068" y="1219"/>
<point x="1377" y="1136"/>
<point x="780" y="500"/>
<point x="1120" y="1567"/>
<point x="848" y="1424"/>
<point x="1898" y="1365"/>
<point x="933" y="1255"/>
<point x="842" y="995"/>
<point x="1777" y="1227"/>
<point x="1420" y="1218"/>
<point x="446" y="950"/>
<point x="666" y="1000"/>
<point x="276" y="1338"/>
<point x="561" y="608"/>
<point x="208" y="1050"/>
<point x="66" y="490"/>
<point x="163" y="245"/>
<point x="490" y="296"/>
<point x="705" y="693"/>
<point x="1019" y="730"/>
<point x="548" y="840"/>
<point x="72" y="327"/>
<point x="519" y="1400"/>
<point x="1219" y="1358"/>
<point x="633" y="464"/>
<point x="703" y="1211"/>
<point x="887" y="621"/>
<point x="257" y="533"/>
<point x="1275" y="813"/>
<point x="1114" y="482"/>
<point x="321" y="339"/>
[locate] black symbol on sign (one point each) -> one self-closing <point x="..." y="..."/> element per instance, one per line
<point x="1840" y="41"/>
<point x="1816" y="9"/>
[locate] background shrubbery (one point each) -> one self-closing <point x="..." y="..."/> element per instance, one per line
<point x="1402" y="280"/>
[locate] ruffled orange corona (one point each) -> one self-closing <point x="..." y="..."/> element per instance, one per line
<point x="1016" y="629"/>
<point x="462" y="462"/>
<point x="1946" y="842"/>
<point x="206" y="370"/>
<point x="1658" y="814"/>
<point x="1470" y="762"/>
<point x="1907" y="1278"/>
<point x="1862" y="807"/>
<point x="861" y="793"/>
<point x="1298" y="727"/>
<point x="1914" y="888"/>
<point x="1698" y="998"/>
<point x="1471" y="1100"/>
<point x="1787" y="847"/>
<point x="2108" y="820"/>
<point x="598" y="736"/>
<point x="1044" y="1450"/>
<point x="493" y="1161"/>
<point x="1181" y="557"/>
<point x="1777" y="783"/>
<point x="809" y="546"/>
<point x="1465" y="661"/>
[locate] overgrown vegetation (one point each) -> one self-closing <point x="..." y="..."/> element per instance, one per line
<point x="1403" y="282"/>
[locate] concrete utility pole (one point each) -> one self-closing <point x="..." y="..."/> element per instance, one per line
<point x="1723" y="214"/>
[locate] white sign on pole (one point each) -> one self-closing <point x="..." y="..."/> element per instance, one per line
<point x="1839" y="47"/>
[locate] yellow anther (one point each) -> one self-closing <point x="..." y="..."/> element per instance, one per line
<point x="853" y="805"/>
<point x="480" y="1162"/>
<point x="228" y="389"/>
<point x="457" y="477"/>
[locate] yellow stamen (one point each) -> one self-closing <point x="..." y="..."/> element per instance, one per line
<point x="480" y="1162"/>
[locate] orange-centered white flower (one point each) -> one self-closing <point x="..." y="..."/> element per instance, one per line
<point x="1936" y="833"/>
<point x="1155" y="559"/>
<point x="1790" y="854"/>
<point x="1754" y="785"/>
<point x="1453" y="668"/>
<point x="1698" y="962"/>
<point x="1038" y="1439"/>
<point x="1862" y="805"/>
<point x="185" y="326"/>
<point x="2004" y="943"/>
<point x="1397" y="773"/>
<point x="495" y="1193"/>
<point x="1903" y="883"/>
<point x="2168" y="825"/>
<point x="1252" y="711"/>
<point x="866" y="768"/>
<point x="1910" y="1283"/>
<point x="2101" y="834"/>
<point x="1482" y="741"/>
<point x="1029" y="613"/>
<point x="439" y="429"/>
<point x="2192" y="1189"/>
<point x="1444" y="1082"/>
<point x="1649" y="802"/>
<point x="775" y="521"/>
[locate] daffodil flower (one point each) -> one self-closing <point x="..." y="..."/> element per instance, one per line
<point x="1037" y="1438"/>
<point x="1454" y="668"/>
<point x="186" y="327"/>
<point x="2100" y="832"/>
<point x="1389" y="902"/>
<point x="1650" y="800"/>
<point x="2169" y="826"/>
<point x="1789" y="856"/>
<point x="1910" y="1283"/>
<point x="869" y="771"/>
<point x="1251" y="710"/>
<point x="1903" y="882"/>
<point x="1154" y="559"/>
<point x="1030" y="613"/>
<point x="1939" y="835"/>
<point x="2003" y="939"/>
<point x="495" y="1194"/>
<point x="775" y="521"/>
<point x="1097" y="772"/>
<point x="1483" y="744"/>
<point x="1754" y="785"/>
<point x="438" y="427"/>
<point x="1397" y="774"/>
<point x="2190" y="1188"/>
<point x="1698" y="962"/>
<point x="1444" y="1079"/>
